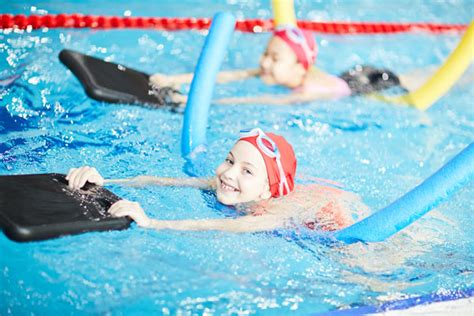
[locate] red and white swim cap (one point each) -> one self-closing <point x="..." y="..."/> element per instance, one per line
<point x="279" y="157"/>
<point x="301" y="42"/>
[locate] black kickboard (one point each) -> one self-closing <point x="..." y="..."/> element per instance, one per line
<point x="41" y="206"/>
<point x="114" y="83"/>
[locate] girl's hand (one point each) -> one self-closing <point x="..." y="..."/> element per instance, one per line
<point x="77" y="177"/>
<point x="132" y="210"/>
<point x="160" y="80"/>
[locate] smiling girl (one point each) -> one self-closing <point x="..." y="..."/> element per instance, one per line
<point x="258" y="177"/>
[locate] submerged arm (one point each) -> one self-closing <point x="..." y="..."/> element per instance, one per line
<point x="245" y="224"/>
<point x="272" y="99"/>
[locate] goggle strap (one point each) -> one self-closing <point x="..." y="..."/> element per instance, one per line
<point x="272" y="154"/>
<point x="283" y="183"/>
<point x="298" y="37"/>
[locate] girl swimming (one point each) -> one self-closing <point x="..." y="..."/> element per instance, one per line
<point x="257" y="178"/>
<point x="288" y="61"/>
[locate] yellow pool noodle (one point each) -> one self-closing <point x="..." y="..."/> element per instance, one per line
<point x="284" y="13"/>
<point x="443" y="79"/>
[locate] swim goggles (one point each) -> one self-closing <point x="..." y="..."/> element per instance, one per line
<point x="296" y="36"/>
<point x="270" y="149"/>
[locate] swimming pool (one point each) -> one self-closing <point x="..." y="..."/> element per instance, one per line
<point x="377" y="150"/>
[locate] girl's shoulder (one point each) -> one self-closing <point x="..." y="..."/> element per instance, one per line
<point x="324" y="85"/>
<point x="326" y="206"/>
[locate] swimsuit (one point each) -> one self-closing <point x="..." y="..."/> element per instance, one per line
<point x="337" y="90"/>
<point x="336" y="219"/>
<point x="368" y="79"/>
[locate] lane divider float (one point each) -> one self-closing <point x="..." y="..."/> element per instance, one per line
<point x="33" y="22"/>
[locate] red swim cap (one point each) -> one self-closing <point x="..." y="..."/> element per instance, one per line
<point x="282" y="155"/>
<point x="301" y="42"/>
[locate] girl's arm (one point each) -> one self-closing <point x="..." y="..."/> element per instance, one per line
<point x="245" y="224"/>
<point x="200" y="183"/>
<point x="78" y="177"/>
<point x="280" y="99"/>
<point x="236" y="75"/>
<point x="175" y="81"/>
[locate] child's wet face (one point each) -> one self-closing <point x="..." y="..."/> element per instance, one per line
<point x="242" y="177"/>
<point x="279" y="65"/>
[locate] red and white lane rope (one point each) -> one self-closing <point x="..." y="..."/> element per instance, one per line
<point x="8" y="21"/>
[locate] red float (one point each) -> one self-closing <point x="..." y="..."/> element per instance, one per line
<point x="76" y="20"/>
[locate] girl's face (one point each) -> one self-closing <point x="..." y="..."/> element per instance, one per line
<point x="242" y="177"/>
<point x="279" y="65"/>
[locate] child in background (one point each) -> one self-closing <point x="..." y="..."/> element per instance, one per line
<point x="288" y="61"/>
<point x="258" y="179"/>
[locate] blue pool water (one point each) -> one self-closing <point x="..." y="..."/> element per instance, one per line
<point x="379" y="151"/>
